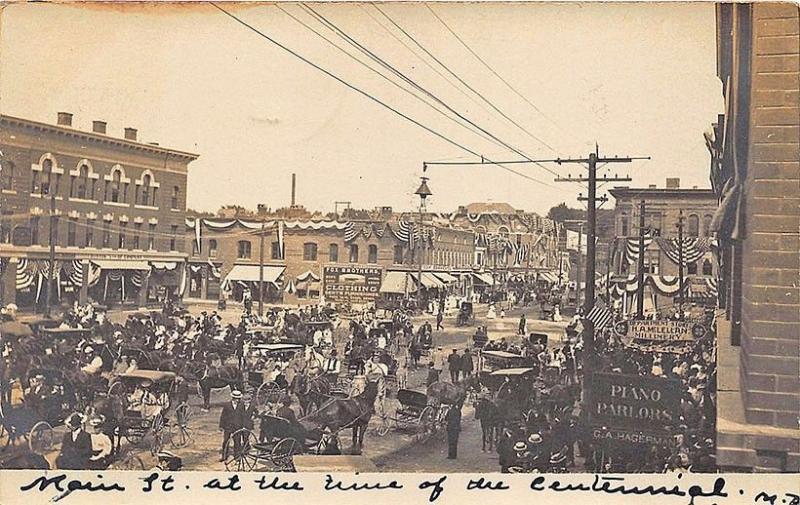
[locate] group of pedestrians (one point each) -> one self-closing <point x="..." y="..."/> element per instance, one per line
<point x="460" y="366"/>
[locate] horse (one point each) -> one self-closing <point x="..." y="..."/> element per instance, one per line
<point x="441" y="392"/>
<point x="112" y="408"/>
<point x="489" y="415"/>
<point x="341" y="413"/>
<point x="310" y="391"/>
<point x="209" y="378"/>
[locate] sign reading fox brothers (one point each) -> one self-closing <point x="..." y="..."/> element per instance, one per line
<point x="632" y="408"/>
<point x="352" y="284"/>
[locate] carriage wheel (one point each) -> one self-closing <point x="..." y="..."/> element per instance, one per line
<point x="180" y="432"/>
<point x="158" y="433"/>
<point x="40" y="438"/>
<point x="115" y="388"/>
<point x="427" y="420"/>
<point x="267" y="393"/>
<point x="383" y="428"/>
<point x="245" y="459"/>
<point x="130" y="462"/>
<point x="282" y="454"/>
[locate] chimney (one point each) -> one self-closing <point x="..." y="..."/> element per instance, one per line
<point x="651" y="186"/>
<point x="64" y="119"/>
<point x="294" y="187"/>
<point x="99" y="127"/>
<point x="673" y="182"/>
<point x="130" y="133"/>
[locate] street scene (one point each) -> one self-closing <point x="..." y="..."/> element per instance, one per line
<point x="400" y="238"/>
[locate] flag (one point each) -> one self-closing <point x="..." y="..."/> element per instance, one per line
<point x="600" y="316"/>
<point x="280" y="239"/>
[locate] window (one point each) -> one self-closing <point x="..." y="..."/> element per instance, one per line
<point x="5" y="229"/>
<point x="372" y="254"/>
<point x="333" y="253"/>
<point x="72" y="226"/>
<point x="694" y="225"/>
<point x="276" y="250"/>
<point x="623" y="228"/>
<point x="353" y="253"/>
<point x="89" y="233"/>
<point x="123" y="227"/>
<point x="691" y="268"/>
<point x="7" y="175"/>
<point x="707" y="225"/>
<point x="244" y="249"/>
<point x="151" y="237"/>
<point x="707" y="268"/>
<point x="48" y="182"/>
<point x="173" y="237"/>
<point x="212" y="248"/>
<point x="651" y="261"/>
<point x="309" y="251"/>
<point x="114" y="191"/>
<point x="144" y="191"/>
<point x="398" y="255"/>
<point x="176" y="191"/>
<point x="106" y="234"/>
<point x="81" y="183"/>
<point x="137" y="233"/>
<point x="34" y="230"/>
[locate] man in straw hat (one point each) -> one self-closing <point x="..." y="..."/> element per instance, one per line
<point x="76" y="446"/>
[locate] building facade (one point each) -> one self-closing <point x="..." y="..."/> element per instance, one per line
<point x="117" y="208"/>
<point x="755" y="171"/>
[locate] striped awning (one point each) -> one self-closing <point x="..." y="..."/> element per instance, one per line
<point x="397" y="283"/>
<point x="485" y="278"/>
<point x="429" y="280"/>
<point x="122" y="264"/>
<point x="445" y="277"/>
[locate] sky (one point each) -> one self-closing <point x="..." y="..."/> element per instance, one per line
<point x="638" y="80"/>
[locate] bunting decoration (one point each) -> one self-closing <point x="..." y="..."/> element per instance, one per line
<point x="280" y="239"/>
<point x="213" y="270"/>
<point x="25" y="274"/>
<point x="693" y="248"/>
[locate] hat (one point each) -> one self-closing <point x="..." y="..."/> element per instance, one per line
<point x="97" y="421"/>
<point x="88" y="349"/>
<point x="145" y="383"/>
<point x="74" y="421"/>
<point x="535" y="438"/>
<point x="39" y="376"/>
<point x="165" y="455"/>
<point x="236" y="395"/>
<point x="520" y="446"/>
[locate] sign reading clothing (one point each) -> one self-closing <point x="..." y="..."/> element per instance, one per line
<point x="661" y="330"/>
<point x="351" y="284"/>
<point x="627" y="408"/>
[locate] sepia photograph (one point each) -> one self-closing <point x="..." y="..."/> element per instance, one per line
<point x="434" y="238"/>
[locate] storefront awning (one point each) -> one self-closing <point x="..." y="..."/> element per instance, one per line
<point x="122" y="264"/>
<point x="485" y="278"/>
<point x="395" y="283"/>
<point x="445" y="277"/>
<point x="548" y="277"/>
<point x="164" y="265"/>
<point x="308" y="274"/>
<point x="249" y="273"/>
<point x="429" y="280"/>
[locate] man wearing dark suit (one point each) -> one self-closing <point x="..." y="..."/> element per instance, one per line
<point x="453" y="420"/>
<point x="76" y="446"/>
<point x="230" y="421"/>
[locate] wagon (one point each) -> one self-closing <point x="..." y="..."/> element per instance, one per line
<point x="466" y="314"/>
<point x="267" y="393"/>
<point x="414" y="414"/>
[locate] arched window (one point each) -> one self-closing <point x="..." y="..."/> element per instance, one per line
<point x="691" y="268"/>
<point x="398" y="255"/>
<point x="144" y="192"/>
<point x="372" y="254"/>
<point x="623" y="225"/>
<point x="707" y="268"/>
<point x="81" y="183"/>
<point x="244" y="249"/>
<point x="333" y="253"/>
<point x="176" y="191"/>
<point x="44" y="187"/>
<point x="7" y="175"/>
<point x="707" y="225"/>
<point x="212" y="248"/>
<point x="115" y="186"/>
<point x="309" y="251"/>
<point x="693" y="225"/>
<point x="353" y="253"/>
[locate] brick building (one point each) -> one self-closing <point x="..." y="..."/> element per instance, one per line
<point x="755" y="171"/>
<point x="120" y="207"/>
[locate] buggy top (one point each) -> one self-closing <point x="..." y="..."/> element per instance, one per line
<point x="156" y="376"/>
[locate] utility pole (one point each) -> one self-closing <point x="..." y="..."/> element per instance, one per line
<point x="640" y="265"/>
<point x="680" y="264"/>
<point x="261" y="267"/>
<point x="591" y="217"/>
<point x="52" y="243"/>
<point x="578" y="273"/>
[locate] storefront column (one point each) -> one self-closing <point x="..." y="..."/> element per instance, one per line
<point x="143" y="290"/>
<point x="8" y="282"/>
<point x="83" y="291"/>
<point x="204" y="282"/>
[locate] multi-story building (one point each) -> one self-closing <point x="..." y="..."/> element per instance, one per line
<point x="117" y="208"/>
<point x="755" y="172"/>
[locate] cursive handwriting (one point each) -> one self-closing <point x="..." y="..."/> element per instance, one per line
<point x="483" y="484"/>
<point x="231" y="485"/>
<point x="437" y="486"/>
<point x="332" y="484"/>
<point x="166" y="482"/>
<point x="278" y="485"/>
<point x="64" y="486"/>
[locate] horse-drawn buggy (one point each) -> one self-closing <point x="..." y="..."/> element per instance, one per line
<point x="466" y="314"/>
<point x="264" y="374"/>
<point x="415" y="413"/>
<point x="147" y="397"/>
<point x="480" y="338"/>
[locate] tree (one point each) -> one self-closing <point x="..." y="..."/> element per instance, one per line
<point x="561" y="213"/>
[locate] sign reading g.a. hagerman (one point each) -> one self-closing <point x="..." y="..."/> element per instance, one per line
<point x="632" y="404"/>
<point x="351" y="284"/>
<point x="661" y="330"/>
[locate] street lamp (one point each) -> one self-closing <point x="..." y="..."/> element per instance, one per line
<point x="424" y="192"/>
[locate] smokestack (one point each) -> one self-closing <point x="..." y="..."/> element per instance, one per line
<point x="99" y="127"/>
<point x="130" y="133"/>
<point x="294" y="187"/>
<point x="673" y="182"/>
<point x="64" y="119"/>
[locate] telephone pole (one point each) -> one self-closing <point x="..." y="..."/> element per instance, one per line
<point x="52" y="243"/>
<point x="680" y="264"/>
<point x="640" y="265"/>
<point x="261" y="269"/>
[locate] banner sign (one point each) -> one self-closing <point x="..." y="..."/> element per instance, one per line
<point x="351" y="284"/>
<point x="627" y="407"/>
<point x="661" y="330"/>
<point x="610" y="436"/>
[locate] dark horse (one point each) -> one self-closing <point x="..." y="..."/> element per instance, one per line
<point x="209" y="378"/>
<point x="491" y="422"/>
<point x="341" y="413"/>
<point x="310" y="392"/>
<point x="112" y="408"/>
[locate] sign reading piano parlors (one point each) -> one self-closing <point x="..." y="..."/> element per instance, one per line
<point x="356" y="285"/>
<point x="633" y="408"/>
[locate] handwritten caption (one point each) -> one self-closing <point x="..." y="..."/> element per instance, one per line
<point x="426" y="490"/>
